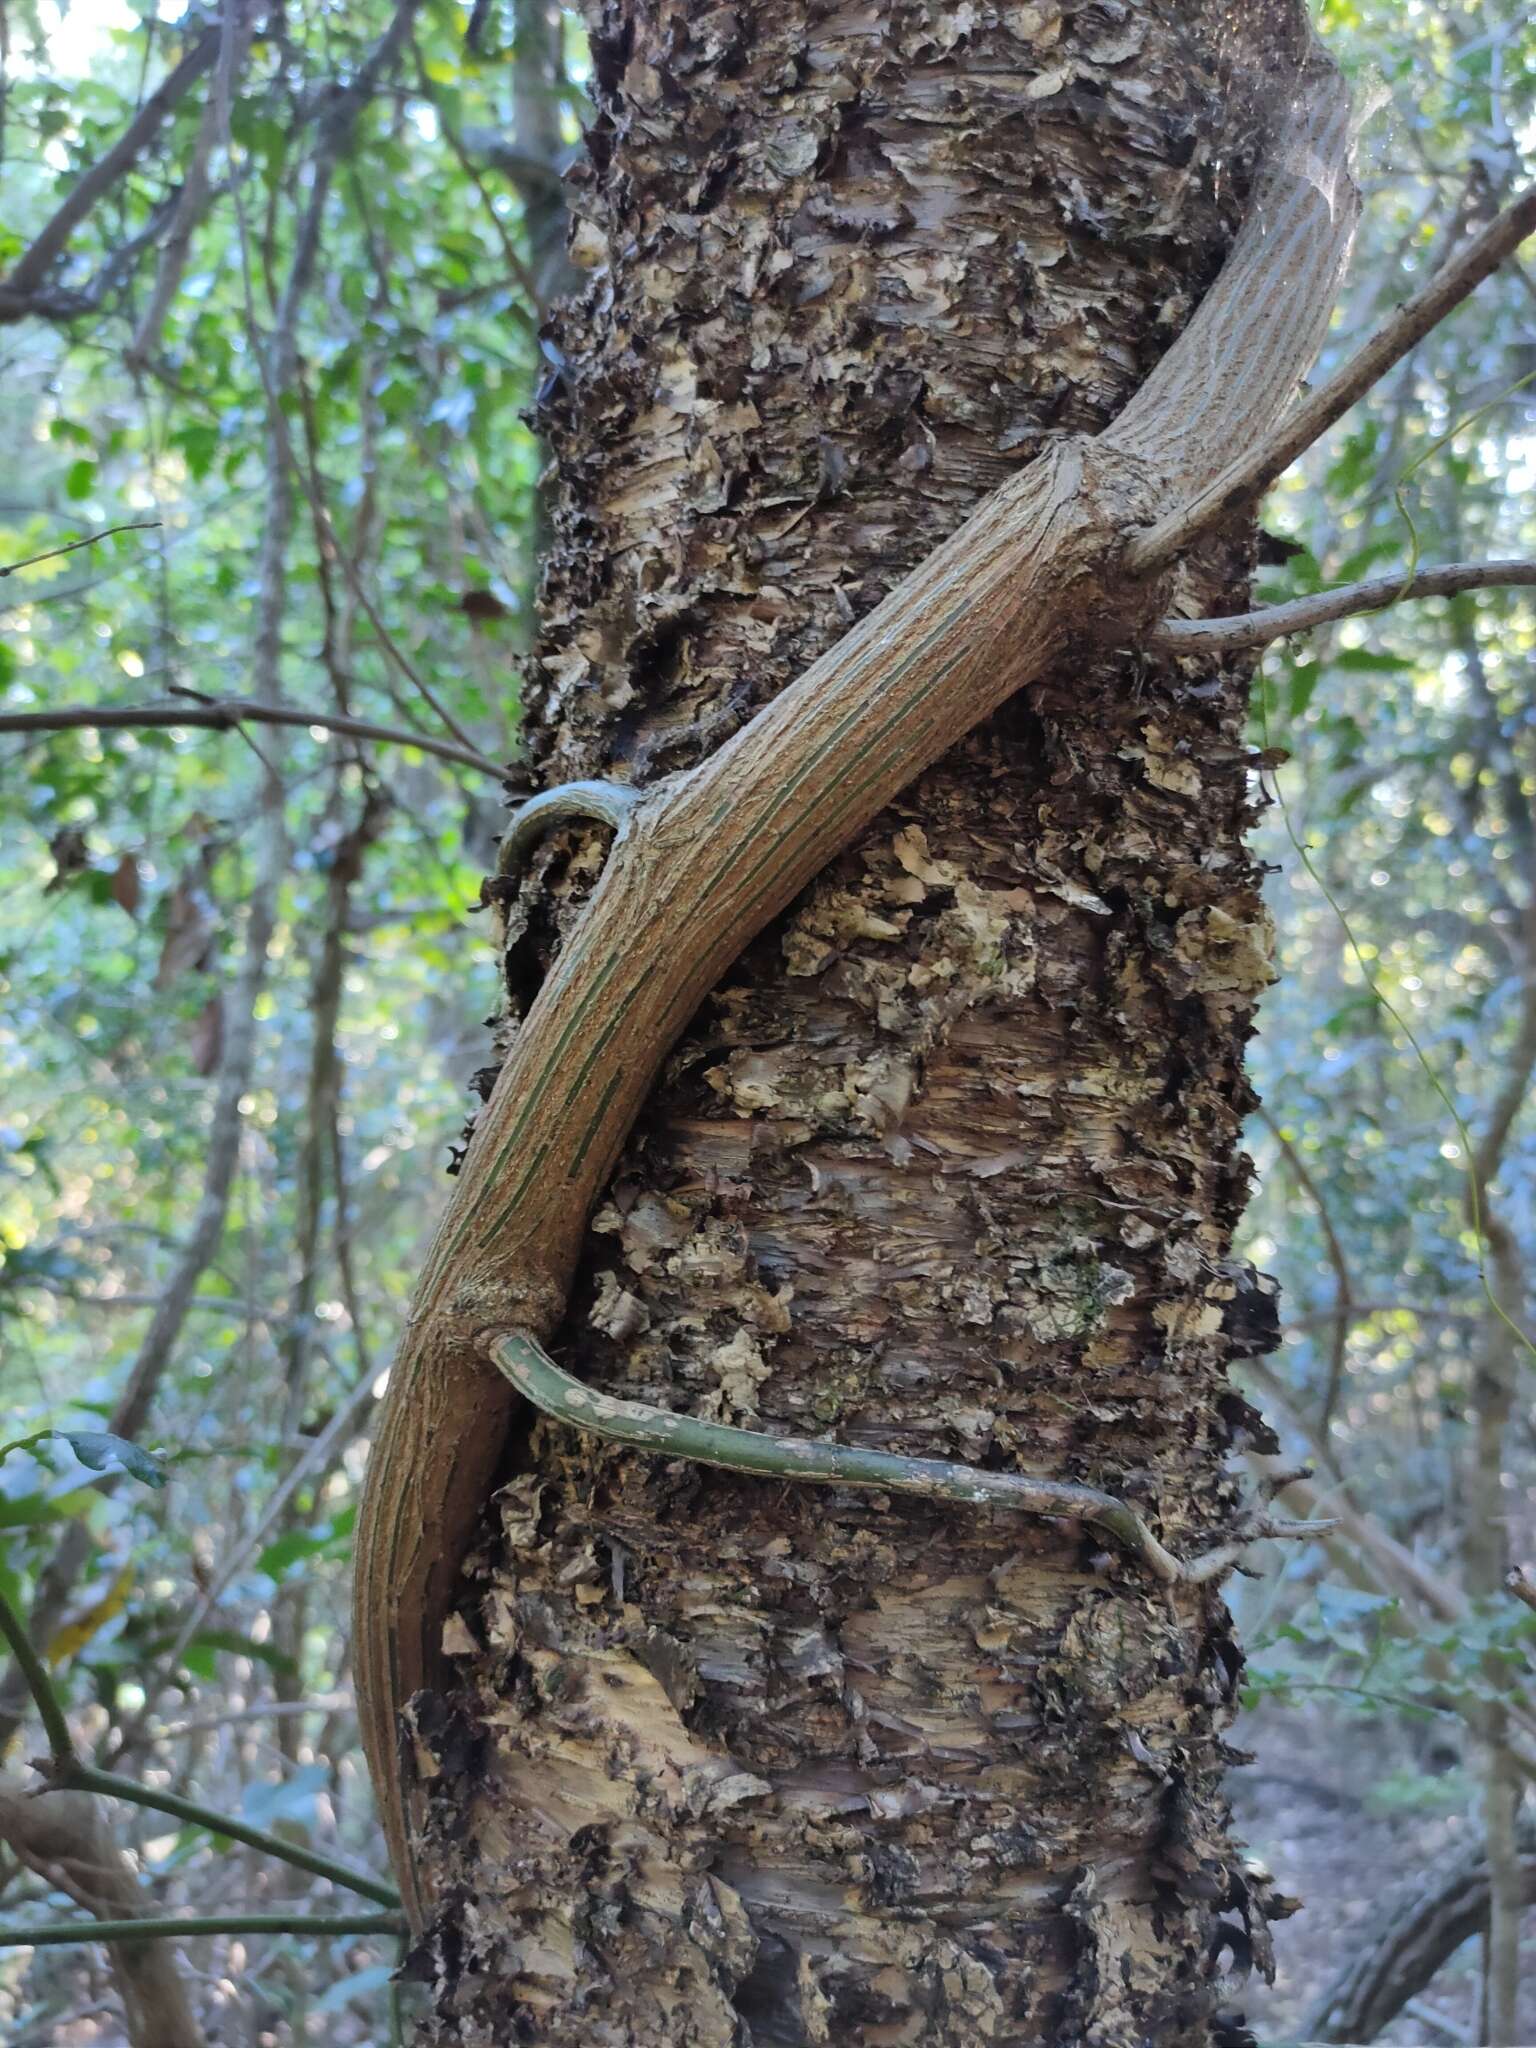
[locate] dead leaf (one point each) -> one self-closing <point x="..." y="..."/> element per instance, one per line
<point x="125" y="884"/>
<point x="70" y="855"/>
<point x="208" y="1036"/>
<point x="482" y="605"/>
<point x="188" y="934"/>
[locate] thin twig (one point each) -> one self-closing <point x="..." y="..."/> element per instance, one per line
<point x="216" y="1303"/>
<point x="83" y="1777"/>
<point x="1344" y="1292"/>
<point x="316" y="1926"/>
<point x="817" y="1461"/>
<point x="277" y="372"/>
<point x="90" y="540"/>
<point x="67" y="1771"/>
<point x="196" y="191"/>
<point x="1302" y="614"/>
<point x="228" y="714"/>
<point x="528" y="316"/>
<point x="264" y="1710"/>
<point x="348" y="1418"/>
<point x="30" y="270"/>
<point x="1367" y="1311"/>
<point x="344" y="870"/>
<point x="1238" y="486"/>
<point x="50" y="1711"/>
<point x="402" y="661"/>
<point x="68" y="1841"/>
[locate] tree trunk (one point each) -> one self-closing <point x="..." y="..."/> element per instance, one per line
<point x="950" y="1164"/>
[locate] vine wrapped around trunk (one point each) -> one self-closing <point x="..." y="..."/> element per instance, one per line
<point x="950" y="1161"/>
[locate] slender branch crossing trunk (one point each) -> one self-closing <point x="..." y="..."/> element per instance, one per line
<point x="949" y="1162"/>
<point x="67" y="1841"/>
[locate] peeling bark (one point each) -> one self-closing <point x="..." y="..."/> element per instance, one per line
<point x="950" y="1165"/>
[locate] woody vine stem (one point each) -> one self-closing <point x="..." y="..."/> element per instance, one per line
<point x="1071" y="552"/>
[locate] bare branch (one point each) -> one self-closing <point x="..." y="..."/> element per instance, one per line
<point x="65" y="1770"/>
<point x="217" y="1303"/>
<point x="1248" y="478"/>
<point x="322" y="1097"/>
<point x="465" y="749"/>
<point x="270" y="855"/>
<point x="84" y="1777"/>
<point x="527" y="316"/>
<point x="346" y="1423"/>
<point x="1412" y="1934"/>
<point x="1302" y="614"/>
<point x="264" y="1710"/>
<point x="1344" y="1289"/>
<point x="68" y="1842"/>
<point x="89" y="541"/>
<point x="314" y="1926"/>
<point x="196" y="190"/>
<point x="73" y="302"/>
<point x="227" y="715"/>
<point x="28" y="275"/>
<point x="278" y="366"/>
<point x="503" y="153"/>
<point x="50" y="1709"/>
<point x="1488" y="1150"/>
<point x="1364" y="1311"/>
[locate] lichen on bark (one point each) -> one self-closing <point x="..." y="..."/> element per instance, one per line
<point x="951" y="1162"/>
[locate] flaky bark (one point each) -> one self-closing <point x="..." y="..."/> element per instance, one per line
<point x="950" y="1163"/>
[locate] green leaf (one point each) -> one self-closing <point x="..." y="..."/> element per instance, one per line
<point x="360" y="1984"/>
<point x="1304" y="675"/>
<point x="288" y="1549"/>
<point x="1369" y="661"/>
<point x="100" y="1451"/>
<point x="80" y="478"/>
<point x="291" y="1798"/>
<point x="199" y="444"/>
<point x="201" y="1652"/>
<point x="31" y="1510"/>
<point x="327" y="1539"/>
<point x="1345" y="1608"/>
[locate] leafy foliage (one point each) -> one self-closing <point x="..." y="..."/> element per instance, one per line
<point x="1397" y="1181"/>
<point x="1411" y="776"/>
<point x="128" y="858"/>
